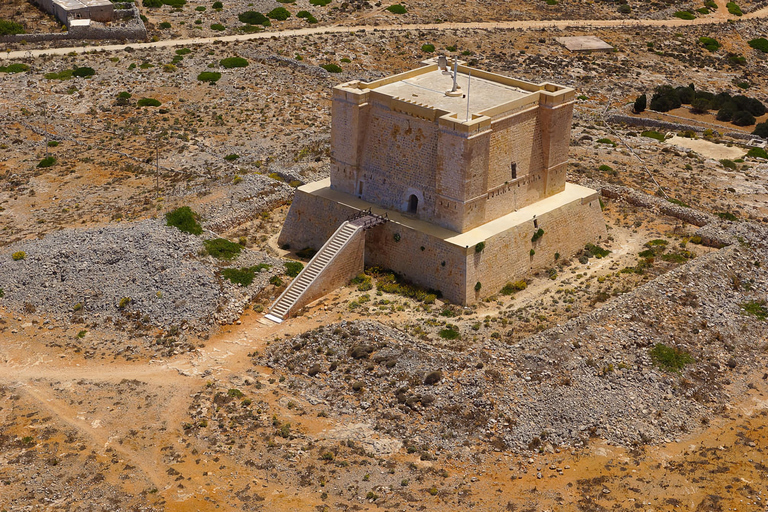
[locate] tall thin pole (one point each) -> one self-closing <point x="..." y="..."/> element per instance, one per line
<point x="469" y="84"/>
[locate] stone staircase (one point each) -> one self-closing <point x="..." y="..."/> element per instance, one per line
<point x="292" y="296"/>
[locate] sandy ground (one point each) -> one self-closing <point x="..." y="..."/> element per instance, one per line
<point x="707" y="148"/>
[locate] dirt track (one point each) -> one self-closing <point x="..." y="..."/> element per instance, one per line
<point x="720" y="16"/>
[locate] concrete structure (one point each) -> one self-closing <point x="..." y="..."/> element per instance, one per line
<point x="97" y="10"/>
<point x="467" y="170"/>
<point x="584" y="44"/>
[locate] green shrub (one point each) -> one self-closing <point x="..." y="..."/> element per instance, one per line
<point x="148" y="102"/>
<point x="685" y="15"/>
<point x="9" y="28"/>
<point x="480" y="246"/>
<point x="665" y="98"/>
<point x="14" y="68"/>
<point x="710" y="43"/>
<point x="739" y="60"/>
<point x="319" y="3"/>
<point x="757" y="153"/>
<point x="450" y="333"/>
<point x="653" y="134"/>
<point x="292" y="268"/>
<point x="164" y="25"/>
<point x="538" y="234"/>
<point x="306" y="15"/>
<point x="761" y="130"/>
<point x="331" y="68"/>
<point x="2" y="293"/>
<point x="670" y="358"/>
<point x="123" y="302"/>
<point x="478" y="286"/>
<point x="641" y="102"/>
<point x="217" y="5"/>
<point x="153" y="4"/>
<point x="511" y="288"/>
<point x="279" y="14"/>
<point x="756" y="309"/>
<point x="597" y="251"/>
<point x="62" y="75"/>
<point x="233" y="62"/>
<point x="241" y="276"/>
<point x="209" y="76"/>
<point x="728" y="164"/>
<point x="48" y="161"/>
<point x="218" y="27"/>
<point x="733" y="8"/>
<point x="760" y="43"/>
<point x="397" y="9"/>
<point x="306" y="253"/>
<point x="184" y="219"/>
<point x="231" y="157"/>
<point x="727" y="216"/>
<point x="254" y="18"/>
<point x="276" y="281"/>
<point x="606" y="141"/>
<point x="428" y="48"/>
<point x="18" y="255"/>
<point x="743" y="118"/>
<point x="200" y="8"/>
<point x="222" y="249"/>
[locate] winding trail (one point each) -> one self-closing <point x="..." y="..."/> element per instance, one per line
<point x="718" y="17"/>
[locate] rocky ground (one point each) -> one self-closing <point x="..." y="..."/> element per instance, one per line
<point x="551" y="397"/>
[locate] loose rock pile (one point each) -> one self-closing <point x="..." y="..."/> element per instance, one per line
<point x="592" y="376"/>
<point x="144" y="270"/>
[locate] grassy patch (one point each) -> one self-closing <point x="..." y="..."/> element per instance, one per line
<point x="728" y="164"/>
<point x="209" y="76"/>
<point x="756" y="309"/>
<point x="222" y="249"/>
<point x="279" y="14"/>
<point x="757" y="153"/>
<point x="9" y="28"/>
<point x="254" y="18"/>
<point x="48" y="161"/>
<point x="653" y="134"/>
<point x="14" y="68"/>
<point x="678" y="202"/>
<point x="331" y="68"/>
<point x="685" y="15"/>
<point x="760" y="43"/>
<point x="62" y="75"/>
<point x="307" y="16"/>
<point x="727" y="216"/>
<point x="428" y="48"/>
<point x="148" y="102"/>
<point x="710" y="43"/>
<point x="511" y="288"/>
<point x="733" y="8"/>
<point x="670" y="358"/>
<point x="233" y="62"/>
<point x="389" y="282"/>
<point x="292" y="268"/>
<point x="597" y="251"/>
<point x="397" y="9"/>
<point x="184" y="219"/>
<point x="450" y="333"/>
<point x="241" y="276"/>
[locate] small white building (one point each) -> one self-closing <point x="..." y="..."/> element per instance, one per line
<point x="64" y="10"/>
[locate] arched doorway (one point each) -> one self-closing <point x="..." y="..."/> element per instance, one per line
<point x="413" y="204"/>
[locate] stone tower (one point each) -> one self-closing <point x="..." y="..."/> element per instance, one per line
<point x="466" y="164"/>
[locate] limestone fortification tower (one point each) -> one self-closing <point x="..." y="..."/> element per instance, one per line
<point x="466" y="165"/>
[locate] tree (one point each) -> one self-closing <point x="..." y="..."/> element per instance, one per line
<point x="699" y="106"/>
<point x="761" y="130"/>
<point x="665" y="99"/>
<point x="743" y="118"/>
<point x="640" y="103"/>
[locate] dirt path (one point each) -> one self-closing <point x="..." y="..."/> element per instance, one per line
<point x="721" y="16"/>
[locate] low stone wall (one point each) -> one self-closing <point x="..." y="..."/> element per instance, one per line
<point x="127" y="26"/>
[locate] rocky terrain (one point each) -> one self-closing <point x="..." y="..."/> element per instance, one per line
<point x="635" y="380"/>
